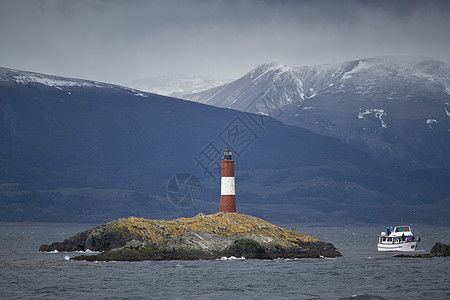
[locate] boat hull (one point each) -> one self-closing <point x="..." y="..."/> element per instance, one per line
<point x="404" y="247"/>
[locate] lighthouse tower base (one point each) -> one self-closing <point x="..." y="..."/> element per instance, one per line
<point x="228" y="203"/>
<point x="227" y="188"/>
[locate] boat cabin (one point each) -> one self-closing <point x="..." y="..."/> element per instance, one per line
<point x="397" y="235"/>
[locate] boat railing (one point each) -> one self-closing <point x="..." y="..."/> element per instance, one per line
<point x="396" y="239"/>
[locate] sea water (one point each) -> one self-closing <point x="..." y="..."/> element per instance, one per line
<point x="362" y="272"/>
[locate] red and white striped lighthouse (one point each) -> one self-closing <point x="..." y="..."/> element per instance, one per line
<point x="227" y="191"/>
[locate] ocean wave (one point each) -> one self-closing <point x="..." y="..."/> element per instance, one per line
<point x="232" y="258"/>
<point x="87" y="251"/>
<point x="328" y="258"/>
<point x="50" y="252"/>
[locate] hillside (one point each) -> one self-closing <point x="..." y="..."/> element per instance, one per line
<point x="394" y="108"/>
<point x="74" y="150"/>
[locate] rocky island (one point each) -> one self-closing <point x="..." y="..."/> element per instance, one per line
<point x="200" y="237"/>
<point x="439" y="250"/>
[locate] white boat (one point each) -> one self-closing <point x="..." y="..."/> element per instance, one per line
<point x="399" y="238"/>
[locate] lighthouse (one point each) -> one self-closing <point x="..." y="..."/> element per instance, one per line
<point x="227" y="194"/>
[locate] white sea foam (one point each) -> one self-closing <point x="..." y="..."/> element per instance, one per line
<point x="328" y="258"/>
<point x="67" y="257"/>
<point x="232" y="258"/>
<point x="88" y="251"/>
<point x="54" y="251"/>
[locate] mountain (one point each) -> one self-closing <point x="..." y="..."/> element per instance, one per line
<point x="74" y="150"/>
<point x="176" y="85"/>
<point x="395" y="108"/>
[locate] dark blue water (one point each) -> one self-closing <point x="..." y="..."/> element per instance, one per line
<point x="362" y="273"/>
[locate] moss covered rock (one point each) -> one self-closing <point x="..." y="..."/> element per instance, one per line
<point x="201" y="237"/>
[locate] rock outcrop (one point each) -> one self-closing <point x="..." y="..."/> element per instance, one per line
<point x="201" y="237"/>
<point x="439" y="249"/>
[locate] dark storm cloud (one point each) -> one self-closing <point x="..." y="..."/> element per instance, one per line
<point x="118" y="41"/>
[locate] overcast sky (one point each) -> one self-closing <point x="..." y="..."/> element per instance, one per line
<point x="120" y="41"/>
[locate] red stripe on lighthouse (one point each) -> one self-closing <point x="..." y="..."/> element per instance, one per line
<point x="228" y="203"/>
<point x="227" y="168"/>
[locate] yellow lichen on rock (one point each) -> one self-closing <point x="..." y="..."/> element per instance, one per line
<point x="200" y="237"/>
<point x="226" y="224"/>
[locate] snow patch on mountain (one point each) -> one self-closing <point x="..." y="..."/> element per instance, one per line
<point x="313" y="93"/>
<point x="53" y="82"/>
<point x="430" y="122"/>
<point x="362" y="65"/>
<point x="390" y="78"/>
<point x="447" y="90"/>
<point x="423" y="75"/>
<point x="397" y="94"/>
<point x="377" y="112"/>
<point x="137" y="93"/>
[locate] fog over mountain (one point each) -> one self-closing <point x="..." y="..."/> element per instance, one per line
<point x="118" y="42"/>
<point x="176" y="85"/>
<point x="397" y="108"/>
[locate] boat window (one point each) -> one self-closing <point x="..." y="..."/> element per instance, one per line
<point x="402" y="229"/>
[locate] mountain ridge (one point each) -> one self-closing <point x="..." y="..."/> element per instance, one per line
<point x="81" y="151"/>
<point x="371" y="103"/>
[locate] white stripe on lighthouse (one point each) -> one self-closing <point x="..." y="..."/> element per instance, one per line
<point x="227" y="186"/>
